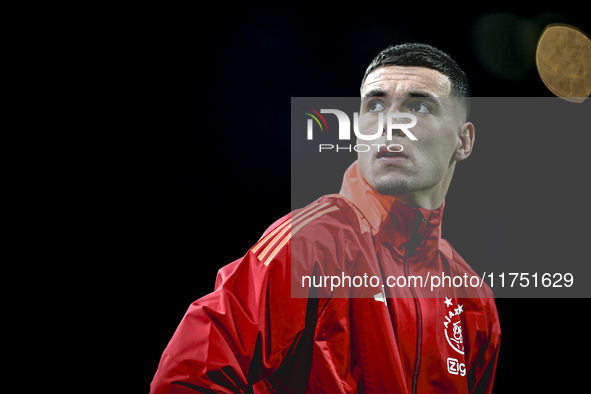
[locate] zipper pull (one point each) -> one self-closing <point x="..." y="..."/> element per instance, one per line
<point x="423" y="225"/>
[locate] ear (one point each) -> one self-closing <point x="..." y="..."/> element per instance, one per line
<point x="466" y="139"/>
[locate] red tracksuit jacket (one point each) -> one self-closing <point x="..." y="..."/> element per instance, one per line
<point x="253" y="334"/>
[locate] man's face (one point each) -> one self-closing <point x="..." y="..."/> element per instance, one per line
<point x="426" y="164"/>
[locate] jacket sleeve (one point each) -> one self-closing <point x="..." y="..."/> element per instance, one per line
<point x="485" y="373"/>
<point x="240" y="333"/>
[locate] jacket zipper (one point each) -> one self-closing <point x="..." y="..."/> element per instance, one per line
<point x="409" y="249"/>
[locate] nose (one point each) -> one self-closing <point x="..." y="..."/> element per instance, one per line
<point x="395" y="121"/>
<point x="395" y="132"/>
<point x="399" y="119"/>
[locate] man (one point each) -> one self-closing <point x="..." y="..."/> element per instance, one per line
<point x="251" y="335"/>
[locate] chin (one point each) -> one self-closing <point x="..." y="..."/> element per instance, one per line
<point x="391" y="187"/>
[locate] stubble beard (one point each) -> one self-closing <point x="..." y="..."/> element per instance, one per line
<point x="392" y="187"/>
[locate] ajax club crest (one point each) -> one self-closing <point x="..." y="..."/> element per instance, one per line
<point x="453" y="326"/>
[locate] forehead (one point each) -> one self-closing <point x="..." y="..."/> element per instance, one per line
<point x="399" y="80"/>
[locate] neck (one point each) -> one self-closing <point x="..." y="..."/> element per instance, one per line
<point x="430" y="198"/>
<point x="424" y="200"/>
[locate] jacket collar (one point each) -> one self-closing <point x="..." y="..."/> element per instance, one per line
<point x="385" y="212"/>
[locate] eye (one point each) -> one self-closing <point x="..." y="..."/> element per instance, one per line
<point x="376" y="106"/>
<point x="419" y="107"/>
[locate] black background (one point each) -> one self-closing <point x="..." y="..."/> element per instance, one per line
<point x="209" y="169"/>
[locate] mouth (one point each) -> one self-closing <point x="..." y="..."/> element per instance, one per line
<point x="386" y="155"/>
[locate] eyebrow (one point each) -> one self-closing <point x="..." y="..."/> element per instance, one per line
<point x="413" y="93"/>
<point x="426" y="95"/>
<point x="376" y="93"/>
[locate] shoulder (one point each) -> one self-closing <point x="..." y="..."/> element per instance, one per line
<point x="328" y="212"/>
<point x="327" y="222"/>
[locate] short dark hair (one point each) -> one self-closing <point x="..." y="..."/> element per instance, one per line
<point x="424" y="55"/>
